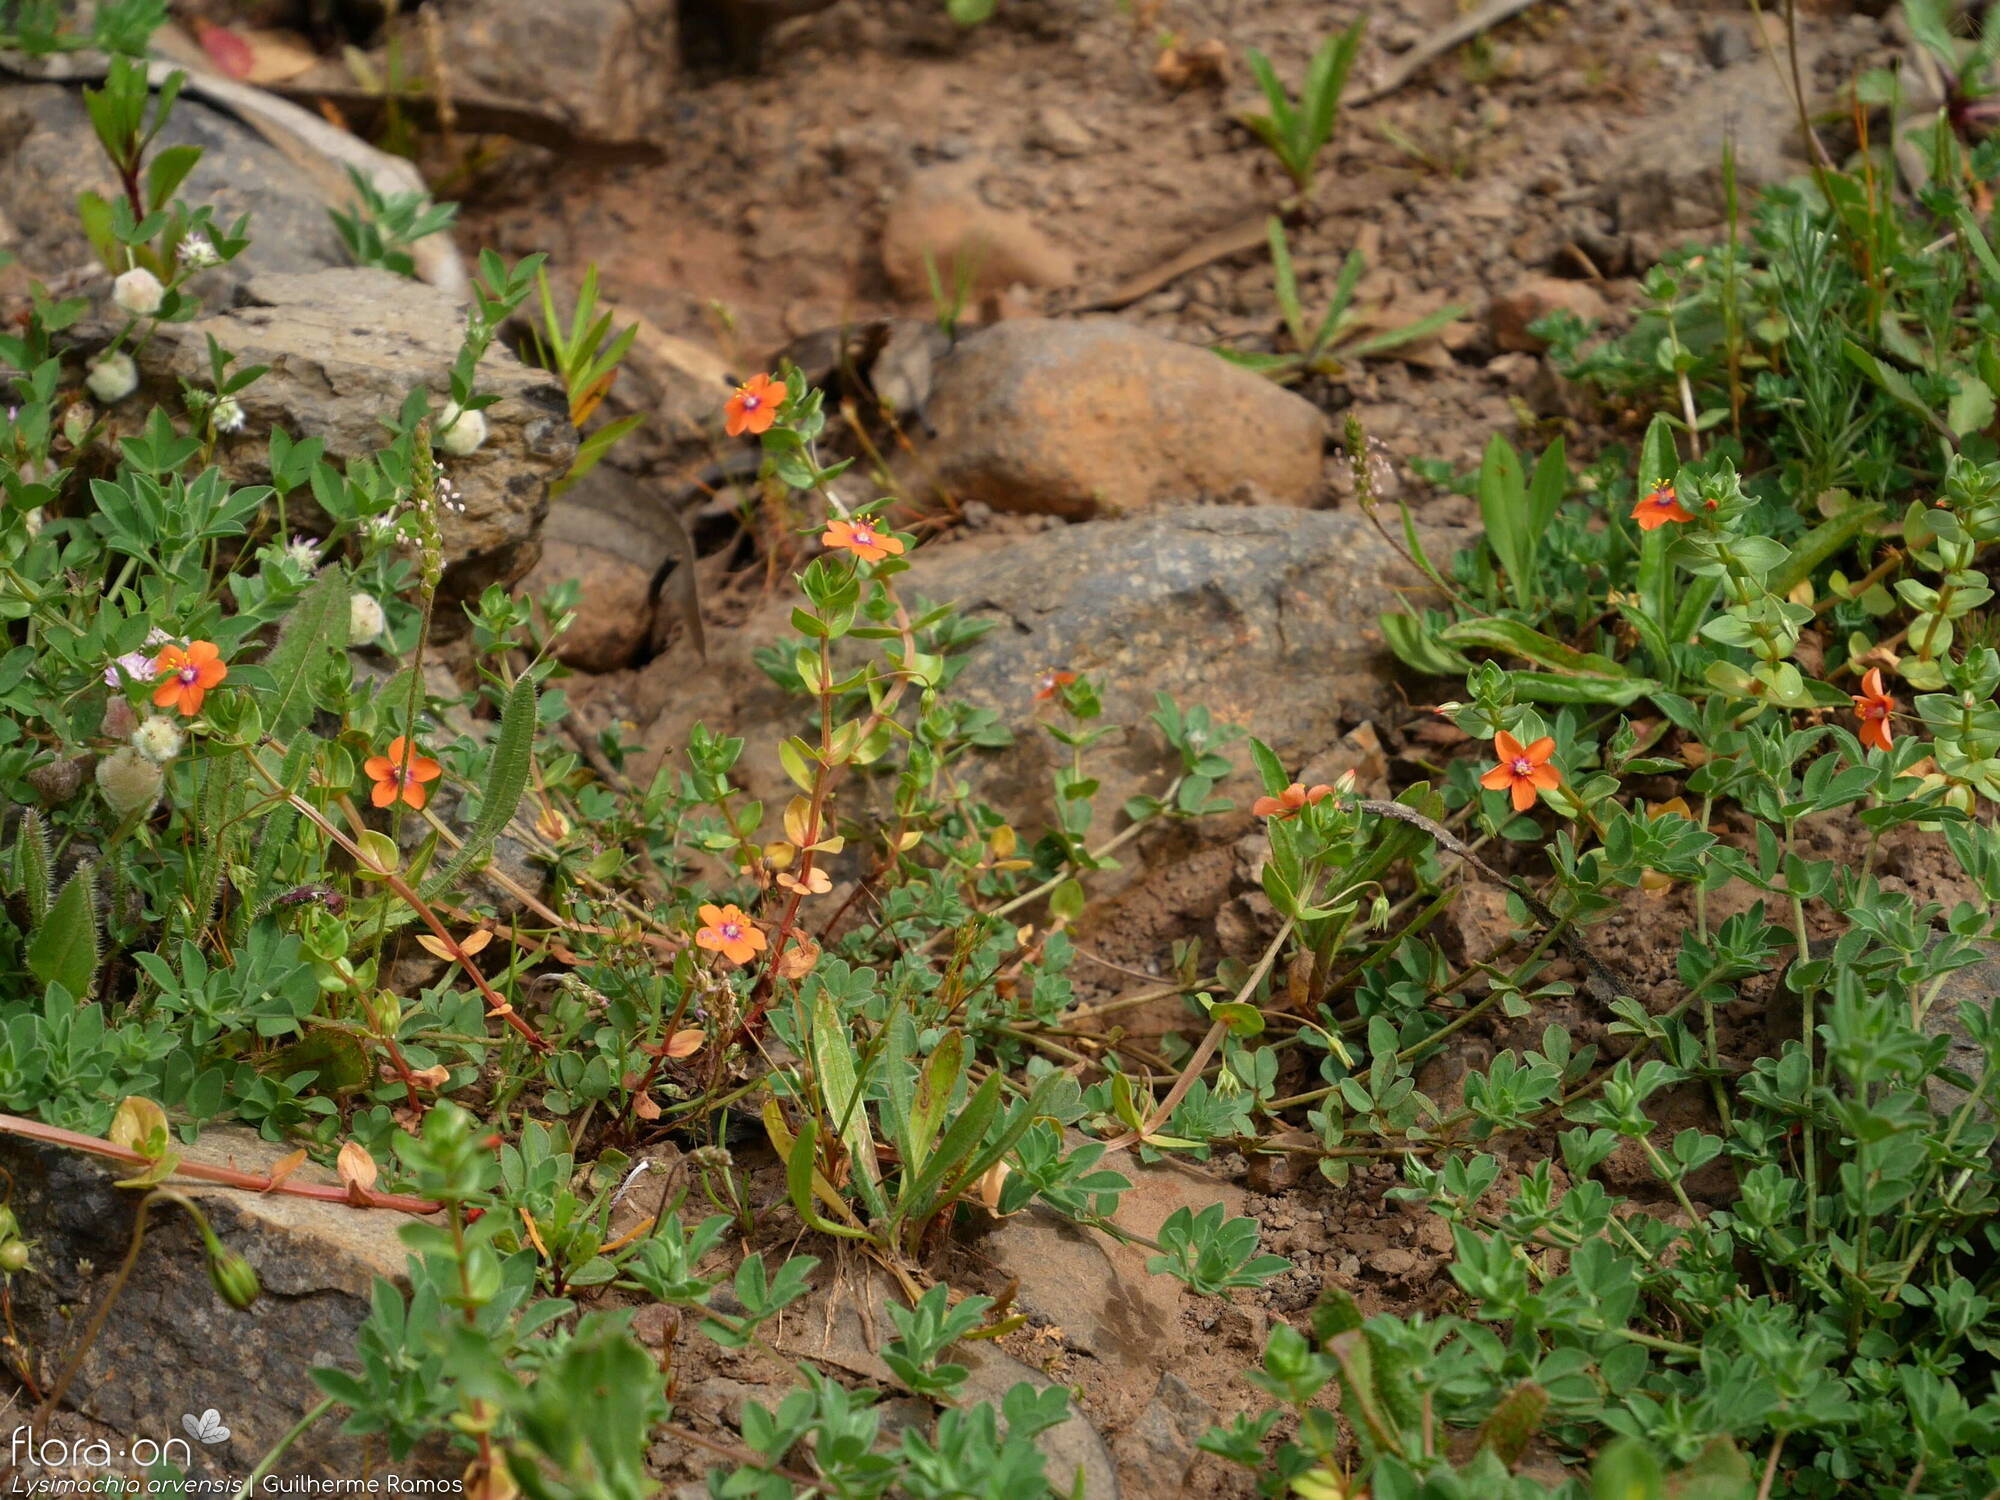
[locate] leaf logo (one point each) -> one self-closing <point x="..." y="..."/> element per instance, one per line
<point x="206" y="1428"/>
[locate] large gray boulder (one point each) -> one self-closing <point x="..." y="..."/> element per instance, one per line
<point x="344" y="349"/>
<point x="171" y="1347"/>
<point x="48" y="155"/>
<point x="1265" y="616"/>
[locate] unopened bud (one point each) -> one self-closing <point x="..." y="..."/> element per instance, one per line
<point x="235" y="1279"/>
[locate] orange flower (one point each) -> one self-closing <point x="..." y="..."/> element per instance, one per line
<point x="185" y="674"/>
<point x="1052" y="682"/>
<point x="1657" y="507"/>
<point x="1872" y="706"/>
<point x="1526" y="773"/>
<point x="861" y="537"/>
<point x="754" y="407"/>
<point x="727" y="931"/>
<point x="1288" y="802"/>
<point x="401" y="773"/>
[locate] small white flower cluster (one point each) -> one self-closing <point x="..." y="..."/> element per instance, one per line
<point x="138" y="292"/>
<point x="130" y="782"/>
<point x="158" y="739"/>
<point x="112" y="377"/>
<point x="196" y="251"/>
<point x="365" y="619"/>
<point x="449" y="496"/>
<point x="304" y="551"/>
<point x="460" y="432"/>
<point x="225" y="413"/>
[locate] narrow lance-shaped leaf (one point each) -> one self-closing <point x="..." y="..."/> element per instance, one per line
<point x="64" y="948"/>
<point x="317" y="624"/>
<point x="506" y="780"/>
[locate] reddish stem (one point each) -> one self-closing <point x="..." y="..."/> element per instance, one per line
<point x="254" y="1182"/>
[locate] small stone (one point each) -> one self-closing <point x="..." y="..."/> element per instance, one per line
<point x="1087" y="418"/>
<point x="1535" y="297"/>
<point x="1056" y="129"/>
<point x="940" y="221"/>
<point x="1394" y="1262"/>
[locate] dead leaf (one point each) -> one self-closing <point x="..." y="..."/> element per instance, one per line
<point x="686" y="1043"/>
<point x="356" y="1167"/>
<point x="645" y="1107"/>
<point x="284" y="1167"/>
<point x="800" y="956"/>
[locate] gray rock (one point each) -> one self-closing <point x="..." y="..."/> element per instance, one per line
<point x="1667" y="177"/>
<point x="1096" y="1289"/>
<point x="607" y="534"/>
<point x="610" y="69"/>
<point x="170" y="1345"/>
<point x="1156" y="1452"/>
<point x="344" y="349"/>
<point x="846" y="1329"/>
<point x="1101" y="418"/>
<point x="48" y="155"/>
<point x="1977" y="985"/>
<point x="1266" y="616"/>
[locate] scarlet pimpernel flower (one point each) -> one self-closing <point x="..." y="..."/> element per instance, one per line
<point x="754" y="406"/>
<point x="1051" y="683"/>
<point x="1658" y="506"/>
<point x="1872" y="706"/>
<point x="1288" y="803"/>
<point x="863" y="538"/>
<point x="185" y="674"/>
<point x="401" y="774"/>
<point x="726" y="930"/>
<point x="1524" y="772"/>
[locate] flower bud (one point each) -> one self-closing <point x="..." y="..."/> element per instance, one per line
<point x="158" y="739"/>
<point x="365" y="619"/>
<point x="76" y="423"/>
<point x="112" y="378"/>
<point x="235" y="1279"/>
<point x="13" y="1256"/>
<point x="54" y="781"/>
<point x="130" y="782"/>
<point x="460" y="432"/>
<point x="138" y="292"/>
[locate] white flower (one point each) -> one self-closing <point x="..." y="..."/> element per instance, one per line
<point x="35" y="520"/>
<point x="130" y="782"/>
<point x="112" y="378"/>
<point x="196" y="252"/>
<point x="304" y="551"/>
<point x="139" y="292"/>
<point x="449" y="497"/>
<point x="365" y="619"/>
<point x="460" y="432"/>
<point x="227" y="416"/>
<point x="158" y="739"/>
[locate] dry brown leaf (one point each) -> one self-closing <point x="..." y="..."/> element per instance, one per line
<point x="284" y="1166"/>
<point x="686" y="1043"/>
<point x="800" y="956"/>
<point x="356" y="1167"/>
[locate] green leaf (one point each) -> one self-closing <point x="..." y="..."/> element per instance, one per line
<point x="1418" y="648"/>
<point x="1503" y="493"/>
<point x="840" y="1089"/>
<point x="1822" y="544"/>
<point x="64" y="948"/>
<point x="935" y="1086"/>
<point x="1545" y="490"/>
<point x="506" y="780"/>
<point x="317" y="624"/>
<point x="167" y="171"/>
<point x="1626" y="1470"/>
<point x="1511" y="636"/>
<point x="31" y="864"/>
